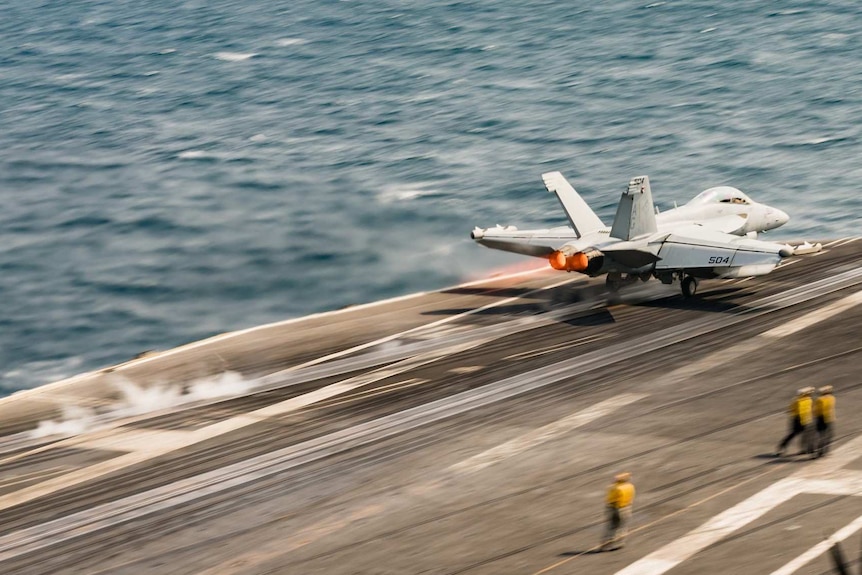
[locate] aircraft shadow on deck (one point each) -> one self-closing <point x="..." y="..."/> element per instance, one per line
<point x="500" y="292"/>
<point x="593" y="317"/>
<point x="714" y="301"/>
<point x="590" y="317"/>
<point x="511" y="309"/>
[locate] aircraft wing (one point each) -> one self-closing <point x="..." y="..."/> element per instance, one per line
<point x="537" y="243"/>
<point x="700" y="251"/>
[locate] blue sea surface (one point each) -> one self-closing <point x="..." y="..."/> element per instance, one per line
<point x="173" y="170"/>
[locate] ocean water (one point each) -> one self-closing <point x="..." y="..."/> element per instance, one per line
<point x="172" y="170"/>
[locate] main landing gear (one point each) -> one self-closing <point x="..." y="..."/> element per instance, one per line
<point x="614" y="281"/>
<point x="689" y="286"/>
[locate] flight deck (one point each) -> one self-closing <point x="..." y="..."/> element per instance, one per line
<point x="471" y="430"/>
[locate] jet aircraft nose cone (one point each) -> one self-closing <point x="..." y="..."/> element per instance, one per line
<point x="781" y="217"/>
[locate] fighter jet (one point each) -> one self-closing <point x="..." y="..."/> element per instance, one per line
<point x="712" y="236"/>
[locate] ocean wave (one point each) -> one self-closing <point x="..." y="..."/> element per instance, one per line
<point x="285" y="42"/>
<point x="235" y="56"/>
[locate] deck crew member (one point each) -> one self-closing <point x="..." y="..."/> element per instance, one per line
<point x="620" y="497"/>
<point x="800" y="422"/>
<point x="824" y="417"/>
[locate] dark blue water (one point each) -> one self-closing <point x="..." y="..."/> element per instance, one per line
<point x="175" y="170"/>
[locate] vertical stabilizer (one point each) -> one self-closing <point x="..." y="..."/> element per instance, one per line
<point x="635" y="212"/>
<point x="583" y="219"/>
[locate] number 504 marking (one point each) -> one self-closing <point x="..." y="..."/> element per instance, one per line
<point x="719" y="260"/>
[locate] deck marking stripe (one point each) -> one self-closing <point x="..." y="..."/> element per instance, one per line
<point x="816" y="316"/>
<point x="544" y="434"/>
<point x="419" y="328"/>
<point x="833" y="242"/>
<point x="844" y="242"/>
<point x="820" y="548"/>
<point x="557" y="347"/>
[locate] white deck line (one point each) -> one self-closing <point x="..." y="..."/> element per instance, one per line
<point x="820" y="548"/>
<point x="834" y="242"/>
<point x="816" y="316"/>
<point x="544" y="434"/>
<point x="844" y="242"/>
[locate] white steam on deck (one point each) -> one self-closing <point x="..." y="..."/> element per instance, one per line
<point x="139" y="400"/>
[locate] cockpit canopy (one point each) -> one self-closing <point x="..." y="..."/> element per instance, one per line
<point x="721" y="194"/>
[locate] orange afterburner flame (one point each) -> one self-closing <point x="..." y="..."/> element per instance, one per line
<point x="575" y="263"/>
<point x="557" y="260"/>
<point x="578" y="262"/>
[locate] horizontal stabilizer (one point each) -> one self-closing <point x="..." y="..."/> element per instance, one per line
<point x="536" y="243"/>
<point x="583" y="219"/>
<point x="635" y="212"/>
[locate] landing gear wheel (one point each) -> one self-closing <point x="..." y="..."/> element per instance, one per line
<point x="613" y="283"/>
<point x="689" y="286"/>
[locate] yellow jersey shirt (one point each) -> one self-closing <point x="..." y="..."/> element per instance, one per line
<point x="621" y="495"/>
<point x="801" y="408"/>
<point x="825" y="407"/>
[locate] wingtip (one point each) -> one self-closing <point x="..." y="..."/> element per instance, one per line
<point x="552" y="180"/>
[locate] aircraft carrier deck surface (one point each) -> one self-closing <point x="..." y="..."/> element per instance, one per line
<point x="473" y="430"/>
